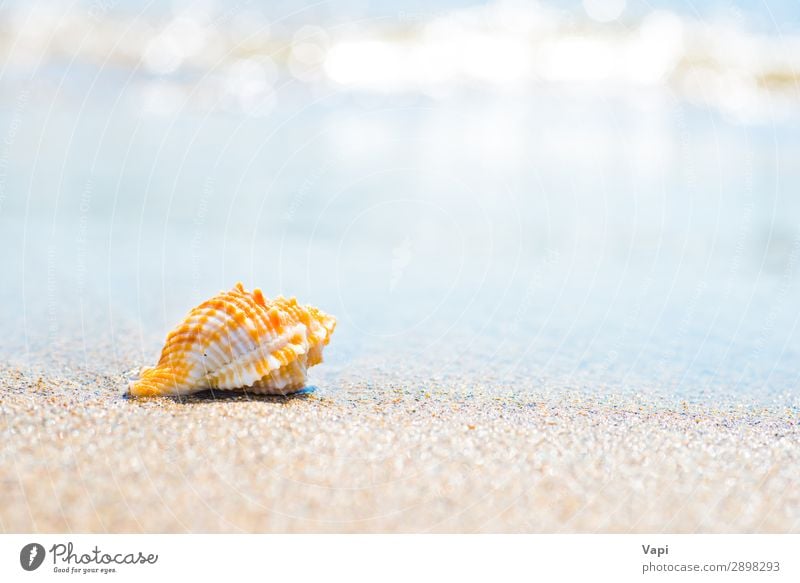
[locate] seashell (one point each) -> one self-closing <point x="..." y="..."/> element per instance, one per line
<point x="239" y="340"/>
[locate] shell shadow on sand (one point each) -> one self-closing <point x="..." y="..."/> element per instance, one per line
<point x="221" y="395"/>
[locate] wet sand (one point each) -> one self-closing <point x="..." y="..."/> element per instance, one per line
<point x="387" y="456"/>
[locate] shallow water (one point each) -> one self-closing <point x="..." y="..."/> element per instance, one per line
<point x="547" y="239"/>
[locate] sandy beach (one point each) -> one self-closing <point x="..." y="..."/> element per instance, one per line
<point x="355" y="459"/>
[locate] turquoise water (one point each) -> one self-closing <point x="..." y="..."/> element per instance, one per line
<point x="551" y="239"/>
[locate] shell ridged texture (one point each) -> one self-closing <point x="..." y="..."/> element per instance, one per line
<point x="239" y="340"/>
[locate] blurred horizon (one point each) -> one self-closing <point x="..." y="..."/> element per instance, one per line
<point x="740" y="59"/>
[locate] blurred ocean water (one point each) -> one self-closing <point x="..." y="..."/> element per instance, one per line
<point x="570" y="196"/>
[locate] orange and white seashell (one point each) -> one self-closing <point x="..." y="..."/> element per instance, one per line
<point x="239" y="340"/>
